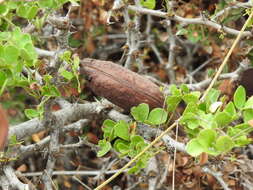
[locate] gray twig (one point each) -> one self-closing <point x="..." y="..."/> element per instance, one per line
<point x="218" y="177"/>
<point x="199" y="20"/>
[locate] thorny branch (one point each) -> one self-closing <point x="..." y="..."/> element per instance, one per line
<point x="78" y="111"/>
<point x="63" y="25"/>
<point x="199" y="20"/>
<point x="133" y="39"/>
<point x="171" y="59"/>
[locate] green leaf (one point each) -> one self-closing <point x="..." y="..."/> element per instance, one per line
<point x="4" y="36"/>
<point x="3" y="9"/>
<point x="32" y="12"/>
<point x="61" y="1"/>
<point x="32" y="113"/>
<point x="182" y="31"/>
<point x="174" y="90"/>
<point x="46" y="3"/>
<point x="193" y="124"/>
<point x="108" y="129"/>
<point x="18" y="67"/>
<point x="22" y="11"/>
<point x="140" y="113"/>
<point x="121" y="129"/>
<point x="3" y="78"/>
<point x="224" y="143"/>
<point x="191" y="97"/>
<point x="233" y="16"/>
<point x="247" y="115"/>
<point x="76" y="62"/>
<point x="11" y="54"/>
<point x="172" y="102"/>
<point x="13" y="4"/>
<point x="13" y="140"/>
<point x="240" y="97"/>
<point x="194" y="148"/>
<point x="230" y="109"/>
<point x="47" y="78"/>
<point x="104" y="146"/>
<point x="242" y="129"/>
<point x="203" y="106"/>
<point x="206" y="137"/>
<point x="108" y="123"/>
<point x="25" y="41"/>
<point x="157" y="116"/>
<point x="184" y="88"/>
<point x="50" y="90"/>
<point x="74" y="43"/>
<point x="242" y="141"/>
<point x="191" y="108"/>
<point x="66" y="74"/>
<point x="223" y="119"/>
<point x="17" y="35"/>
<point x="135" y="140"/>
<point x="140" y="146"/>
<point x="215" y="106"/>
<point x="150" y="4"/>
<point x="66" y="56"/>
<point x="26" y="11"/>
<point x="25" y="54"/>
<point x="121" y="146"/>
<point x="31" y="51"/>
<point x="249" y="103"/>
<point x="141" y="163"/>
<point x="212" y="96"/>
<point x="207" y="121"/>
<point x="134" y="170"/>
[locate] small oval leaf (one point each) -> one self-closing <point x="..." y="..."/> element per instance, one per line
<point x="240" y="97"/>
<point x="157" y="116"/>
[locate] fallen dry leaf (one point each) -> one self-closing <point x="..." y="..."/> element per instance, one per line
<point x="227" y="87"/>
<point x="203" y="158"/>
<point x="22" y="168"/>
<point x="250" y="122"/>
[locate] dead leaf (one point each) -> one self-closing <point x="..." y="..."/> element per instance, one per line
<point x="22" y="168"/>
<point x="227" y="87"/>
<point x="35" y="138"/>
<point x="187" y="171"/>
<point x="250" y="122"/>
<point x="67" y="184"/>
<point x="92" y="138"/>
<point x="38" y="136"/>
<point x="203" y="158"/>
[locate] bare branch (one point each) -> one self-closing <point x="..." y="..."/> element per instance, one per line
<point x="218" y="177"/>
<point x="83" y="173"/>
<point x="199" y="20"/>
<point x="12" y="178"/>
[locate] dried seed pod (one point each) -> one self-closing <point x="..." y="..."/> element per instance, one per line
<point x="4" y="128"/>
<point x="247" y="82"/>
<point x="119" y="85"/>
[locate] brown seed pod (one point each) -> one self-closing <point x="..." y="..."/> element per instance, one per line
<point x="247" y="82"/>
<point x="4" y="128"/>
<point x="119" y="85"/>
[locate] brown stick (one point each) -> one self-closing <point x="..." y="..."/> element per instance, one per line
<point x="4" y="128"/>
